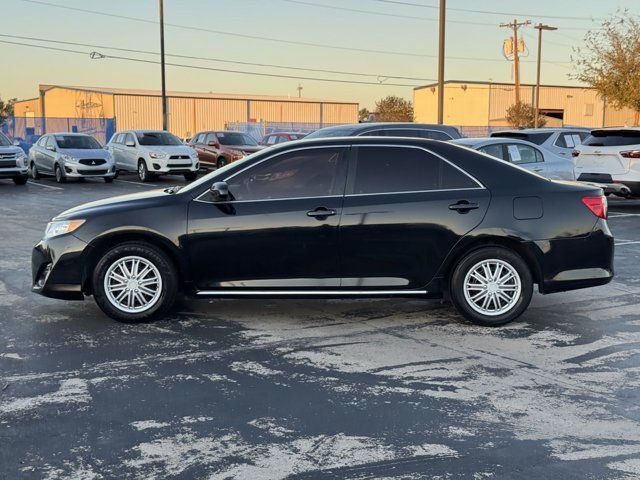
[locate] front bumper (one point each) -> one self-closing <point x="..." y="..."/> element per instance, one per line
<point x="78" y="170"/>
<point x="57" y="267"/>
<point x="172" y="166"/>
<point x="13" y="172"/>
<point x="573" y="263"/>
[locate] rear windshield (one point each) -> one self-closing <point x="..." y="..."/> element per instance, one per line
<point x="612" y="138"/>
<point x="232" y="138"/>
<point x="4" y="141"/>
<point x="80" y="142"/>
<point x="537" y="138"/>
<point x="157" y="138"/>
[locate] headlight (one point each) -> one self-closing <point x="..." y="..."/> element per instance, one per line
<point x="21" y="160"/>
<point x="68" y="158"/>
<point x="157" y="155"/>
<point x="55" y="229"/>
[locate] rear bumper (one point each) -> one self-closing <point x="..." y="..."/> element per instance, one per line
<point x="573" y="263"/>
<point x="57" y="267"/>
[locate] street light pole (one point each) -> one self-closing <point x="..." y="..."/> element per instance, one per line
<point x="539" y="27"/>
<point x="441" y="38"/>
<point x="162" y="67"/>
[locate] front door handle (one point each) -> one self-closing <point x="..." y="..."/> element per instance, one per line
<point x="463" y="206"/>
<point x="321" y="213"/>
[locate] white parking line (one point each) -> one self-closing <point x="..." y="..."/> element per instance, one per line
<point x="139" y="183"/>
<point x="42" y="185"/>
<point x="627" y="243"/>
<point x="614" y="215"/>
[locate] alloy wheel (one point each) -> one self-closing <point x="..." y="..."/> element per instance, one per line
<point x="492" y="287"/>
<point x="133" y="284"/>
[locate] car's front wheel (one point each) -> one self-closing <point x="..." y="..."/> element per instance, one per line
<point x="134" y="282"/>
<point x="60" y="178"/>
<point x="221" y="162"/>
<point x="491" y="286"/>
<point x="190" y="176"/>
<point x="34" y="171"/>
<point x="143" y="172"/>
<point x="20" y="180"/>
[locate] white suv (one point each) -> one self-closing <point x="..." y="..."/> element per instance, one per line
<point x="610" y="155"/>
<point x="152" y="153"/>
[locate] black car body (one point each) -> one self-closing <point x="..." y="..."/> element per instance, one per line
<point x="389" y="129"/>
<point x="340" y="217"/>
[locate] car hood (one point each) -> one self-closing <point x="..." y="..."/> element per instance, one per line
<point x="12" y="149"/>
<point x="85" y="153"/>
<point x="121" y="202"/>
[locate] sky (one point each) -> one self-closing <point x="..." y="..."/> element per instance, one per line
<point x="377" y="38"/>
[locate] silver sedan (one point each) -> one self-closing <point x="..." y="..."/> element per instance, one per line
<point x="524" y="154"/>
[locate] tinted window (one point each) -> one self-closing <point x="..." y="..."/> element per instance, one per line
<point x="51" y="142"/>
<point x="521" y="154"/>
<point x="235" y="138"/>
<point x="570" y="139"/>
<point x="331" y="132"/>
<point x="612" y="138"/>
<point x="493" y="150"/>
<point x="157" y="138"/>
<point x="271" y="140"/>
<point x="80" y="142"/>
<point x="304" y="173"/>
<point x="538" y="138"/>
<point x="407" y="133"/>
<point x="4" y="141"/>
<point x="211" y="137"/>
<point x="388" y="170"/>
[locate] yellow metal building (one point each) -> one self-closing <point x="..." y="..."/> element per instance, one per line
<point x="188" y="112"/>
<point x="468" y="104"/>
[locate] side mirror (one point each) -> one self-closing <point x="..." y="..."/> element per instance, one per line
<point x="51" y="148"/>
<point x="130" y="144"/>
<point x="219" y="191"/>
<point x="213" y="144"/>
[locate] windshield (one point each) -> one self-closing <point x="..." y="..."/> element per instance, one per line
<point x="4" y="141"/>
<point x="331" y="132"/>
<point x="80" y="142"/>
<point x="612" y="138"/>
<point x="157" y="138"/>
<point x="233" y="138"/>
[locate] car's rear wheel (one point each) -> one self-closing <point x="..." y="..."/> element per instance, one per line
<point x="21" y="180"/>
<point x="491" y="286"/>
<point x="60" y="178"/>
<point x="34" y="171"/>
<point x="134" y="282"/>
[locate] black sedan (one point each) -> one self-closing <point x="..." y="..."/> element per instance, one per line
<point x="333" y="218"/>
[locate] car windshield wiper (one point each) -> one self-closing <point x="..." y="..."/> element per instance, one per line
<point x="173" y="189"/>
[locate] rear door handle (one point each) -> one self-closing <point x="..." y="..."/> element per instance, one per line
<point x="321" y="213"/>
<point x="463" y="206"/>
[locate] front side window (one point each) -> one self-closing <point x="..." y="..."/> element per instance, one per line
<point x="42" y="142"/>
<point x="80" y="142"/>
<point x="522" y="154"/>
<point x="397" y="170"/>
<point x="4" y="141"/>
<point x="51" y="143"/>
<point x="493" y="150"/>
<point x="157" y="139"/>
<point x="304" y="173"/>
<point x="211" y="137"/>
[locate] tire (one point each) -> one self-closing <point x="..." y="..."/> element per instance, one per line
<point x="60" y="178"/>
<point x="516" y="291"/>
<point x="191" y="176"/>
<point x="143" y="172"/>
<point x="159" y="301"/>
<point x="108" y="179"/>
<point x="34" y="171"/>
<point x="221" y="162"/>
<point x="21" y="180"/>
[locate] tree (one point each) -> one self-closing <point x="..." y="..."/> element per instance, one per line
<point x="522" y="115"/>
<point x="394" y="109"/>
<point x="6" y="109"/>
<point x="363" y="114"/>
<point x="610" y="61"/>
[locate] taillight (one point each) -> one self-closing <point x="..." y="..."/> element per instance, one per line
<point x="575" y="153"/>
<point x="597" y="205"/>
<point x="631" y="154"/>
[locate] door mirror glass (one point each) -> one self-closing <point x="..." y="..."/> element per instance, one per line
<point x="16" y="143"/>
<point x="213" y="144"/>
<point x="130" y="143"/>
<point x="219" y="191"/>
<point x="51" y="148"/>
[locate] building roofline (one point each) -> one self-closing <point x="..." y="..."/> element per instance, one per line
<point x="508" y="84"/>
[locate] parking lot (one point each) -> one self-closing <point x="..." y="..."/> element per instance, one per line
<point x="313" y="388"/>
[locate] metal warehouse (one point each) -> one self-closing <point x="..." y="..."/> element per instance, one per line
<point x="188" y="112"/>
<point x="471" y="103"/>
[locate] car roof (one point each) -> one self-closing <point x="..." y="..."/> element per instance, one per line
<point x="478" y="141"/>
<point x="541" y="130"/>
<point x="285" y="133"/>
<point x="71" y="134"/>
<point x="354" y="127"/>
<point x="615" y="129"/>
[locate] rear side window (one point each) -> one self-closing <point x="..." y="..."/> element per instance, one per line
<point x="397" y="170"/>
<point x="537" y="138"/>
<point x="493" y="150"/>
<point x="612" y="138"/>
<point x="570" y="139"/>
<point x="522" y="154"/>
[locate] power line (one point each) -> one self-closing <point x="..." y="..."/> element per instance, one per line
<point x="98" y="55"/>
<point x="211" y="59"/>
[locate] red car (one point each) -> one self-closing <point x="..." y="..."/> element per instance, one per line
<point x="281" y="137"/>
<point x="217" y="148"/>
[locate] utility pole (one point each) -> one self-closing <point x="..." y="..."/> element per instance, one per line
<point x="516" y="58"/>
<point x="162" y="67"/>
<point x="441" y="38"/>
<point x="300" y="90"/>
<point x="540" y="27"/>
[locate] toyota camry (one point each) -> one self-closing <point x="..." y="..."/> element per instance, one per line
<point x="337" y="217"/>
